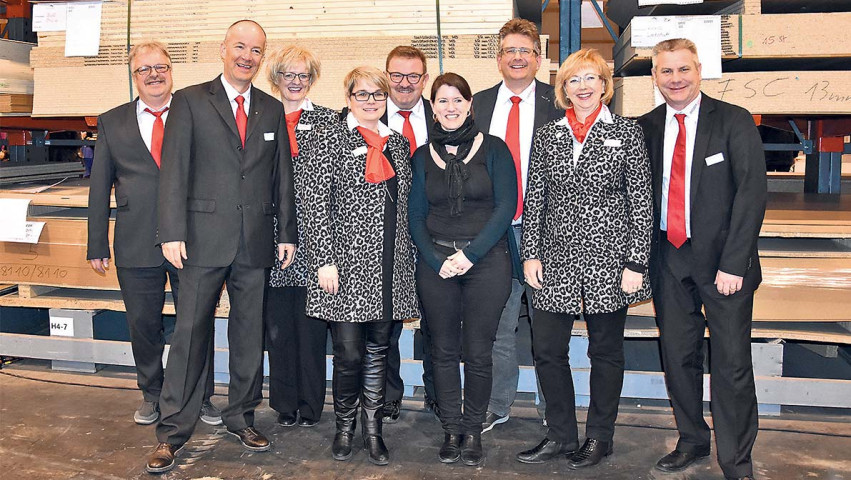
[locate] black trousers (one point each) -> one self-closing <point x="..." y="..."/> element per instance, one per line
<point x="395" y="385"/>
<point x="551" y="345"/>
<point x="463" y="315"/>
<point x="181" y="398"/>
<point x="296" y="346"/>
<point x="143" y="291"/>
<point x="678" y="298"/>
<point x="360" y="366"/>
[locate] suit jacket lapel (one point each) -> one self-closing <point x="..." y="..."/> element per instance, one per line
<point x="485" y="114"/>
<point x="220" y="101"/>
<point x="701" y="143"/>
<point x="542" y="105"/>
<point x="429" y="114"/>
<point x="656" y="150"/>
<point x="256" y="108"/>
<point x="138" y="143"/>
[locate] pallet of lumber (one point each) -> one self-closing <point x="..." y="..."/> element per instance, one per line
<point x="766" y="93"/>
<point x="16" y="103"/>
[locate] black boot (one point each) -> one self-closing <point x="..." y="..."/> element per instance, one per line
<point x="341" y="449"/>
<point x="471" y="449"/>
<point x="372" y="439"/>
<point x="450" y="452"/>
<point x="345" y="386"/>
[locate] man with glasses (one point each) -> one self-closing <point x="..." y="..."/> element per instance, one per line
<point x="127" y="157"/>
<point x="512" y="110"/>
<point x="226" y="170"/>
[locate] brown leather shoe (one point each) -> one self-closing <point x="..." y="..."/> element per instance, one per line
<point x="162" y="460"/>
<point x="251" y="439"/>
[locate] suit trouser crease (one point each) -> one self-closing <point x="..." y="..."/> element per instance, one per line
<point x="678" y="301"/>
<point x="463" y="314"/>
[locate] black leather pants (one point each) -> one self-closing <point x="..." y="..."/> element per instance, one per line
<point x="360" y="368"/>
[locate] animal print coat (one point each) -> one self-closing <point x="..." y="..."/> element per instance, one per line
<point x="309" y="123"/>
<point x="585" y="222"/>
<point x="344" y="226"/>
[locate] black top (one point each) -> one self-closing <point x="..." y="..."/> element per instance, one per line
<point x="391" y="196"/>
<point x="492" y="166"/>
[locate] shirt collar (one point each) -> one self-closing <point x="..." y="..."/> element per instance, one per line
<point x="306" y="105"/>
<point x="417" y="109"/>
<point x="504" y="94"/>
<point x="352" y="123"/>
<point x="141" y="106"/>
<point x="690" y="110"/>
<point x="232" y="93"/>
<point x="604" y="116"/>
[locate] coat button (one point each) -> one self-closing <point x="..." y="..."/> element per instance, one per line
<point x="243" y="177"/>
<point x="239" y="207"/>
<point x="239" y="147"/>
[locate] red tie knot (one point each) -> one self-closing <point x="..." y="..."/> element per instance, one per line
<point x="157" y="114"/>
<point x="681" y="118"/>
<point x="240" y="100"/>
<point x="515" y="99"/>
<point x="405" y="113"/>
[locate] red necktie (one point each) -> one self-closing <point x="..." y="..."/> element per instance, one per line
<point x="677" y="188"/>
<point x="378" y="169"/>
<point x="292" y="121"/>
<point x="408" y="130"/>
<point x="241" y="118"/>
<point x="512" y="139"/>
<point x="157" y="135"/>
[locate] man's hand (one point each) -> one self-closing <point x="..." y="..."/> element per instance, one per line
<point x="727" y="284"/>
<point x="286" y="254"/>
<point x="175" y="253"/>
<point x="100" y="265"/>
<point x="329" y="279"/>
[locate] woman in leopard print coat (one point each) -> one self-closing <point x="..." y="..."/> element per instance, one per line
<point x="587" y="222"/>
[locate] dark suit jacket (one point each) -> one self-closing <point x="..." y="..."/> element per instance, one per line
<point x="213" y="190"/>
<point x="427" y="111"/>
<point x="727" y="198"/>
<point x="545" y="106"/>
<point x="123" y="160"/>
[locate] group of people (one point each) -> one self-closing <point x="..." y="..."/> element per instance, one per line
<point x="448" y="210"/>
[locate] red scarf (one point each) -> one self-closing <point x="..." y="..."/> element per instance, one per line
<point x="378" y="169"/>
<point x="292" y="121"/>
<point x="580" y="129"/>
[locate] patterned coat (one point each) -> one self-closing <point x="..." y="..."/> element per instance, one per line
<point x="344" y="226"/>
<point x="309" y="123"/>
<point x="585" y="222"/>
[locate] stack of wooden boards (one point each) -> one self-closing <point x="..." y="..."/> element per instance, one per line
<point x="342" y="33"/>
<point x="774" y="63"/>
<point x="16" y="77"/>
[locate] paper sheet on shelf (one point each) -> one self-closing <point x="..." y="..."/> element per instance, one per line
<point x="703" y="30"/>
<point x="82" y="34"/>
<point x="49" y="17"/>
<point x="31" y="233"/>
<point x="13" y="217"/>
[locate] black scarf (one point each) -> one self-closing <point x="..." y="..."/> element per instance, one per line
<point x="456" y="170"/>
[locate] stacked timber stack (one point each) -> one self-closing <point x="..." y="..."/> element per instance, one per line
<point x="16" y="77"/>
<point x="342" y="33"/>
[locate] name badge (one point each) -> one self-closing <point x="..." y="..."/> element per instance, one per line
<point x="713" y="159"/>
<point x="359" y="151"/>
<point x="304" y="126"/>
<point x="269" y="136"/>
<point x="612" y="143"/>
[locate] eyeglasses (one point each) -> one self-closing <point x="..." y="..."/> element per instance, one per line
<point x="290" y="76"/>
<point x="523" y="52"/>
<point x="363" y="96"/>
<point x="588" y="79"/>
<point x="413" y="78"/>
<point x="147" y="69"/>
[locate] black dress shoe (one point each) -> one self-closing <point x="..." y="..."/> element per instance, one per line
<point x="545" y="451"/>
<point x="677" y="460"/>
<point x="287" y="419"/>
<point x="471" y="450"/>
<point x="251" y="439"/>
<point x="341" y="449"/>
<point x="307" y="422"/>
<point x="749" y="477"/>
<point x="162" y="460"/>
<point x="450" y="451"/>
<point x="391" y="411"/>
<point x="592" y="452"/>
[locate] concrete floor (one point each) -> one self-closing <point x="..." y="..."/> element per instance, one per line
<point x="74" y="426"/>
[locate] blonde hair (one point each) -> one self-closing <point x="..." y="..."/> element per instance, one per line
<point x="672" y="45"/>
<point x="520" y="26"/>
<point x="369" y="74"/>
<point x="587" y="57"/>
<point x="283" y="58"/>
<point x="144" y="46"/>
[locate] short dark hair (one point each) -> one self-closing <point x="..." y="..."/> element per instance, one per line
<point x="520" y="26"/>
<point x="452" y="80"/>
<point x="405" y="51"/>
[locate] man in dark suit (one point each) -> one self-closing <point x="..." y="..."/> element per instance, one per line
<point x="513" y="110"/>
<point x="226" y="170"/>
<point x="709" y="188"/>
<point x="128" y="158"/>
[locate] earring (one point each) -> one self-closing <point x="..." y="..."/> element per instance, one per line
<point x="469" y="112"/>
<point x="434" y="116"/>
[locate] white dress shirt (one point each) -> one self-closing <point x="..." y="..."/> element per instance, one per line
<point x="418" y="120"/>
<point x="146" y="120"/>
<point x="232" y="94"/>
<point x="499" y="122"/>
<point x="672" y="128"/>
